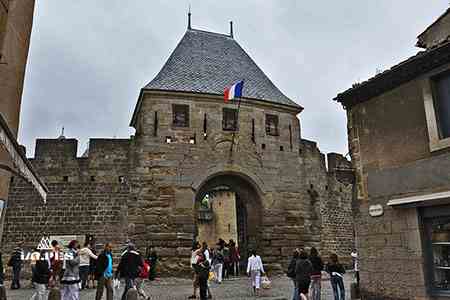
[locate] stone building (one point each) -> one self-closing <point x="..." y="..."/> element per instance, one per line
<point x="190" y="144"/>
<point x="16" y="20"/>
<point x="399" y="129"/>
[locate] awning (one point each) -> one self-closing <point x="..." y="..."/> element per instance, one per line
<point x="422" y="200"/>
<point x="22" y="167"/>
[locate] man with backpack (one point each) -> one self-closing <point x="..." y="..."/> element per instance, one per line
<point x="129" y="267"/>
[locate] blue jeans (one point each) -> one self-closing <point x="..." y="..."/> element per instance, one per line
<point x="129" y="283"/>
<point x="337" y="283"/>
<point x="296" y="294"/>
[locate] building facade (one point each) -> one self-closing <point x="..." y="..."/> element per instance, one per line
<point x="398" y="131"/>
<point x="191" y="153"/>
<point x="16" y="20"/>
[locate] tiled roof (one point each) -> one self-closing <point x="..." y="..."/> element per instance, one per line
<point x="421" y="63"/>
<point x="207" y="62"/>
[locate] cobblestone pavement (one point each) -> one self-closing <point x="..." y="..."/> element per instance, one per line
<point x="177" y="289"/>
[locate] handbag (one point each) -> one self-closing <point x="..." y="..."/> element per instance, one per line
<point x="211" y="276"/>
<point x="266" y="283"/>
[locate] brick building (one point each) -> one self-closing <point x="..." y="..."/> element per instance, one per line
<point x="398" y="126"/>
<point x="16" y="19"/>
<point x="189" y="145"/>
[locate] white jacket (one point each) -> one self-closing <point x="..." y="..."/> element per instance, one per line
<point x="85" y="254"/>
<point x="255" y="264"/>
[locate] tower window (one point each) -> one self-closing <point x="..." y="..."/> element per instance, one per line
<point x="92" y="178"/>
<point x="263" y="146"/>
<point x="281" y="148"/>
<point x="272" y="125"/>
<point x="66" y="178"/>
<point x="229" y="121"/>
<point x="180" y="115"/>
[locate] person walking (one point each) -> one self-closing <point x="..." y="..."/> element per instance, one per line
<point x="234" y="258"/>
<point x="86" y="255"/>
<point x="16" y="263"/>
<point x="316" y="274"/>
<point x="303" y="270"/>
<point x="71" y="278"/>
<point x="202" y="267"/>
<point x="355" y="259"/>
<point x="129" y="267"/>
<point x="104" y="273"/>
<point x="56" y="262"/>
<point x="194" y="258"/>
<point x="40" y="277"/>
<point x="291" y="273"/>
<point x="254" y="270"/>
<point x="208" y="257"/>
<point x="217" y="264"/>
<point x="336" y="271"/>
<point x="34" y="257"/>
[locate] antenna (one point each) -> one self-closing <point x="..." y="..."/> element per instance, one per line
<point x="62" y="137"/>
<point x="231" y="29"/>
<point x="189" y="17"/>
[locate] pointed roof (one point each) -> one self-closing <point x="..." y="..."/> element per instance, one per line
<point x="207" y="62"/>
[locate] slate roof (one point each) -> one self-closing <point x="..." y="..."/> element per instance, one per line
<point x="421" y="63"/>
<point x="207" y="62"/>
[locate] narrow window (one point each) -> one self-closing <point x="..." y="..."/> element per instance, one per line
<point x="65" y="178"/>
<point x="229" y="121"/>
<point x="263" y="146"/>
<point x="272" y="125"/>
<point x="121" y="179"/>
<point x="180" y="115"/>
<point x="442" y="104"/>
<point x="253" y="131"/>
<point x="155" y="125"/>
<point x="92" y="178"/>
<point x="281" y="148"/>
<point x="205" y="120"/>
<point x="290" y="136"/>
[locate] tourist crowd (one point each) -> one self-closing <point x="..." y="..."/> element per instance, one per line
<point x="80" y="268"/>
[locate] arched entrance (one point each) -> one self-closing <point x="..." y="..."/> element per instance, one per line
<point x="228" y="206"/>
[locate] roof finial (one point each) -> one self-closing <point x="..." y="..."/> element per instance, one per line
<point x="62" y="137"/>
<point x="231" y="29"/>
<point x="189" y="17"/>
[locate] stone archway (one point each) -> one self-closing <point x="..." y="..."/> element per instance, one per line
<point x="233" y="211"/>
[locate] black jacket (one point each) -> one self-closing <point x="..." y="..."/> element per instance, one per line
<point x="303" y="269"/>
<point x="317" y="265"/>
<point x="337" y="268"/>
<point x="16" y="259"/>
<point x="130" y="264"/>
<point x="101" y="265"/>
<point x="41" y="274"/>
<point x="291" y="268"/>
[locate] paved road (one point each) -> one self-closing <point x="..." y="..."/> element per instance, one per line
<point x="177" y="289"/>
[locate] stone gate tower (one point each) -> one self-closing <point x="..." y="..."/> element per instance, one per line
<point x="197" y="169"/>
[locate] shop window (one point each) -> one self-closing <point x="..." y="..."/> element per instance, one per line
<point x="180" y="115"/>
<point x="229" y="121"/>
<point x="442" y="104"/>
<point x="436" y="222"/>
<point x="272" y="125"/>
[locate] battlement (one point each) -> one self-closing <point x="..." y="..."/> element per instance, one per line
<point x="66" y="149"/>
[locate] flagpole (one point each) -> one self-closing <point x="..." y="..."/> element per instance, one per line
<point x="237" y="127"/>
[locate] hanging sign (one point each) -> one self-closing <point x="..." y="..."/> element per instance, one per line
<point x="376" y="210"/>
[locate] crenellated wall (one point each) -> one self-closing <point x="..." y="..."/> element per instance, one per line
<point x="146" y="189"/>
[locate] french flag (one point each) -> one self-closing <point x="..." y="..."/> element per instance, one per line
<point x="234" y="91"/>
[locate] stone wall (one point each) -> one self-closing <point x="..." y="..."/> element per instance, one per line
<point x="390" y="150"/>
<point x="16" y="20"/>
<point x="151" y="186"/>
<point x="436" y="33"/>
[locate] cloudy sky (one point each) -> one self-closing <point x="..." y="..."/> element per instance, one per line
<point x="89" y="59"/>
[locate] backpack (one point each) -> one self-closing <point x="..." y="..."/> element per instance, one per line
<point x="145" y="270"/>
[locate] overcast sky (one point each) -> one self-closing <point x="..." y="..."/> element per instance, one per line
<point x="89" y="59"/>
